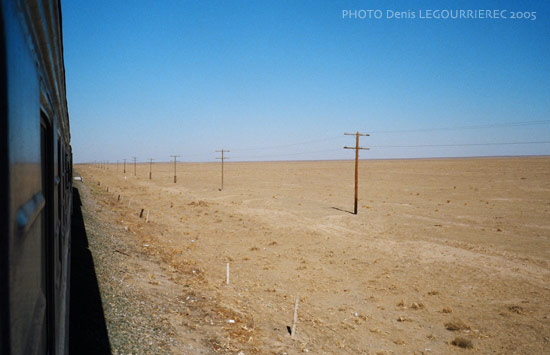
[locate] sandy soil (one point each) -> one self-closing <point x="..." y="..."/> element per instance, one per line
<point x="442" y="254"/>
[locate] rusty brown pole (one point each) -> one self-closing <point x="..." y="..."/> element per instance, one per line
<point x="222" y="158"/>
<point x="150" y="168"/>
<point x="124" y="166"/>
<point x="134" y="165"/>
<point x="174" y="156"/>
<point x="357" y="147"/>
<point x="356" y="171"/>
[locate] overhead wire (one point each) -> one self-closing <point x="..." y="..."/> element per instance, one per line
<point x="494" y="125"/>
<point x="289" y="154"/>
<point x="485" y="126"/>
<point x="288" y="145"/>
<point x="330" y="138"/>
<point x="456" y="145"/>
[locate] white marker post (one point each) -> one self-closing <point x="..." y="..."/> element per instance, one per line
<point x="147" y="218"/>
<point x="227" y="275"/>
<point x="293" y="332"/>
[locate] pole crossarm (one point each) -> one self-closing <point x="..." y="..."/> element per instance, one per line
<point x="356" y="148"/>
<point x="357" y="134"/>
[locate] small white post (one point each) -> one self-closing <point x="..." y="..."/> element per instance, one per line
<point x="147" y="218"/>
<point x="295" y="317"/>
<point x="227" y="275"/>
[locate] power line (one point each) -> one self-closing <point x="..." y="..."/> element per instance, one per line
<point x="495" y="125"/>
<point x="456" y="145"/>
<point x="289" y="145"/>
<point x="288" y="154"/>
<point x="394" y="146"/>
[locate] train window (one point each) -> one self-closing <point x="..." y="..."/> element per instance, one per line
<point x="48" y="245"/>
<point x="59" y="196"/>
<point x="67" y="172"/>
<point x="59" y="199"/>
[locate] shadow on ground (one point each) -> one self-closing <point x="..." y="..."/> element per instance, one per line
<point x="88" y="331"/>
<point x="342" y="210"/>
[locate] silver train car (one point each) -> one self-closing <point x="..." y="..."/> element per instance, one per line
<point x="35" y="180"/>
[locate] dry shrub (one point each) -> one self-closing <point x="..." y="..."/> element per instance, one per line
<point x="415" y="305"/>
<point x="456" y="324"/>
<point x="462" y="343"/>
<point x="515" y="309"/>
<point x="446" y="310"/>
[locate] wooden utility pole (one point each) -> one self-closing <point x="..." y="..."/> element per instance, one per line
<point x="134" y="165"/>
<point x="124" y="166"/>
<point x="222" y="158"/>
<point x="150" y="164"/>
<point x="357" y="147"/>
<point x="175" y="157"/>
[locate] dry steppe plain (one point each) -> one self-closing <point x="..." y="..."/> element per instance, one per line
<point x="444" y="255"/>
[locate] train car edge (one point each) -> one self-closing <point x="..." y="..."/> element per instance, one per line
<point x="35" y="180"/>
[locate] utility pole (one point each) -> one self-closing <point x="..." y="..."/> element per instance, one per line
<point x="124" y="166"/>
<point x="222" y="158"/>
<point x="150" y="164"/>
<point x="357" y="147"/>
<point x="175" y="157"/>
<point x="134" y="165"/>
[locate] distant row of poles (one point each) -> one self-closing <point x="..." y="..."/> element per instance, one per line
<point x="105" y="164"/>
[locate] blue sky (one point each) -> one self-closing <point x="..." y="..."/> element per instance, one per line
<point x="283" y="80"/>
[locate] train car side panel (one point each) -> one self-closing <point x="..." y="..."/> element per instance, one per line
<point x="4" y="192"/>
<point x="35" y="180"/>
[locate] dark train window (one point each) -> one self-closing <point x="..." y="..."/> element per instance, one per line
<point x="59" y="196"/>
<point x="60" y="199"/>
<point x="66" y="172"/>
<point x="48" y="246"/>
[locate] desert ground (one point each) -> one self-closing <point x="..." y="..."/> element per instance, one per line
<point x="444" y="255"/>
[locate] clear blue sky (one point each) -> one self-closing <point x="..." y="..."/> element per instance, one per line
<point x="263" y="78"/>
